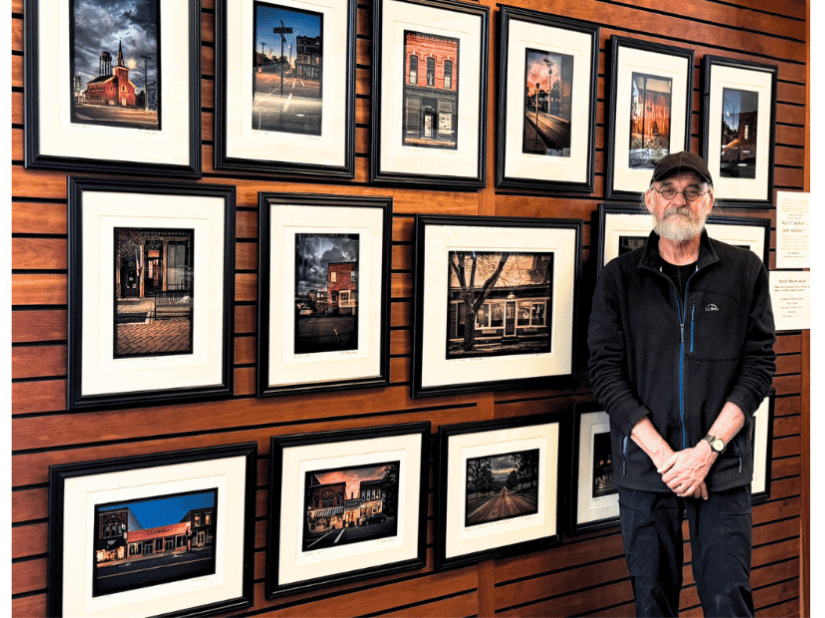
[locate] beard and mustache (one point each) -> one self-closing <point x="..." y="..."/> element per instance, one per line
<point x="679" y="224"/>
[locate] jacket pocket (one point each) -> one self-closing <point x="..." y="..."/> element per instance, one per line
<point x="716" y="327"/>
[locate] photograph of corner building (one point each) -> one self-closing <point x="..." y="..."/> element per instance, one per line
<point x="650" y="113"/>
<point x="152" y="541"/>
<point x="740" y="109"/>
<point x="430" y="91"/>
<point x="153" y="291"/>
<point x="499" y="303"/>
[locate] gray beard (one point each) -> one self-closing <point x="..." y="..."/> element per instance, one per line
<point x="678" y="228"/>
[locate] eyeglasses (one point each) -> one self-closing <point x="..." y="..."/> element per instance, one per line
<point x="691" y="194"/>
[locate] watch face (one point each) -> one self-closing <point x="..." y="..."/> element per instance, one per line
<point x="717" y="445"/>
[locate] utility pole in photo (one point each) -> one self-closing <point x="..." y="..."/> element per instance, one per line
<point x="281" y="32"/>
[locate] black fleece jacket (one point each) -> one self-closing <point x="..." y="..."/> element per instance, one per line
<point x="678" y="360"/>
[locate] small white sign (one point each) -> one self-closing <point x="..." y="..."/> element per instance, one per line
<point x="791" y="299"/>
<point x="793" y="229"/>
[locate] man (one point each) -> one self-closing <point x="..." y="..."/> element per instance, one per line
<point x="681" y="355"/>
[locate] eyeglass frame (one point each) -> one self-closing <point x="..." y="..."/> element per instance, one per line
<point x="684" y="193"/>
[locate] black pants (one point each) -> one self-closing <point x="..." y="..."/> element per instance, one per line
<point x="720" y="539"/>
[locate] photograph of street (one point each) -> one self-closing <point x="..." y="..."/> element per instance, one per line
<point x="603" y="481"/>
<point x="502" y="487"/>
<point x="350" y="505"/>
<point x="650" y="113"/>
<point x="115" y="60"/>
<point x="326" y="292"/>
<point x="154" y="283"/>
<point x="153" y="541"/>
<point x="287" y="76"/>
<point x="739" y="115"/>
<point x="629" y="243"/>
<point x="548" y="103"/>
<point x="498" y="303"/>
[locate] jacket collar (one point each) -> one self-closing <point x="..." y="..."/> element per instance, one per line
<point x="651" y="259"/>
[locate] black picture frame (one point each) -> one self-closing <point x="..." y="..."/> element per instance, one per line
<point x="389" y="543"/>
<point x="56" y="137"/>
<point x="763" y="449"/>
<point x="635" y="222"/>
<point x="137" y="328"/>
<point x="453" y="159"/>
<point x="545" y="354"/>
<point x="319" y="149"/>
<point x="734" y="88"/>
<point x="465" y="538"/>
<point x="343" y="347"/>
<point x="591" y="435"/>
<point x="667" y="68"/>
<point x="518" y="167"/>
<point x="217" y="483"/>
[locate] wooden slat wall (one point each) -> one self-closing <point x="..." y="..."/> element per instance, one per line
<point x="586" y="575"/>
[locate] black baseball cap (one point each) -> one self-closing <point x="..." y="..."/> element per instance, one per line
<point x="677" y="162"/>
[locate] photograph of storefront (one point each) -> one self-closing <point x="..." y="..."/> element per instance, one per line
<point x="548" y="103"/>
<point x="350" y="505"/>
<point x="501" y="487"/>
<point x="650" y="102"/>
<point x="739" y="113"/>
<point x="430" y="91"/>
<point x="155" y="540"/>
<point x="154" y="287"/>
<point x="603" y="482"/>
<point x="499" y="303"/>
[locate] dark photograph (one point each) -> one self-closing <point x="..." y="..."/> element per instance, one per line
<point x="629" y="243"/>
<point x="154" y="541"/>
<point x="548" y="103"/>
<point x="351" y="505"/>
<point x="115" y="63"/>
<point x="739" y="115"/>
<point x="153" y="291"/>
<point x="603" y="482"/>
<point x="499" y="303"/>
<point x="502" y="487"/>
<point x="287" y="73"/>
<point x="430" y="91"/>
<point x="650" y="114"/>
<point x="326" y="292"/>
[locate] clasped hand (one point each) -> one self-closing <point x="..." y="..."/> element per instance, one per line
<point x="684" y="472"/>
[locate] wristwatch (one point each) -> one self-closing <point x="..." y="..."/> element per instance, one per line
<point x="717" y="445"/>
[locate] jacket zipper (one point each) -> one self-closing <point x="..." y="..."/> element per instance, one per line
<point x="682" y="317"/>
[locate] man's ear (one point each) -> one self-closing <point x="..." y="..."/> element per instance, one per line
<point x="649" y="200"/>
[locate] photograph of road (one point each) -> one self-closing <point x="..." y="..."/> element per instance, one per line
<point x="548" y="103"/>
<point x="603" y="481"/>
<point x="154" y="540"/>
<point x="287" y="75"/>
<point x="350" y="505"/>
<point x="326" y="292"/>
<point x="650" y="113"/>
<point x="739" y="115"/>
<point x="502" y="487"/>
<point x="115" y="63"/>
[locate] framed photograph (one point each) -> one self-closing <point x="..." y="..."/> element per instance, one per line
<point x="165" y="533"/>
<point x="594" y="495"/>
<point x="762" y="440"/>
<point x="738" y="126"/>
<point x="112" y="89"/>
<point x="498" y="489"/>
<point x="151" y="292"/>
<point x="324" y="292"/>
<point x="346" y="505"/>
<point x="546" y="101"/>
<point x="649" y="111"/>
<point x="429" y="87"/>
<point x="494" y="303"/>
<point x="623" y="228"/>
<point x="285" y="87"/>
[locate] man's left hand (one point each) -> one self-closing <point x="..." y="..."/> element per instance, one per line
<point x="685" y="471"/>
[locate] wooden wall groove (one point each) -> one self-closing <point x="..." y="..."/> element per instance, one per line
<point x="586" y="575"/>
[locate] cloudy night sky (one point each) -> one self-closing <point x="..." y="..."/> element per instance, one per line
<point x="313" y="254"/>
<point x="99" y="25"/>
<point x="351" y="476"/>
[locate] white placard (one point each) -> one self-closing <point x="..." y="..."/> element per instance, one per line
<point x="791" y="299"/>
<point x="793" y="229"/>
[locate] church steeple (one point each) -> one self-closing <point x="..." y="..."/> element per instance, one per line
<point x="120" y="62"/>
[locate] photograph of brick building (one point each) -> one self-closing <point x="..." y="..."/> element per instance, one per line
<point x="430" y="91"/>
<point x="650" y="114"/>
<point x="126" y="93"/>
<point x="739" y="113"/>
<point x="548" y="103"/>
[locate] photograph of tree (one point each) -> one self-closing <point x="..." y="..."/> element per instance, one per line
<point x="154" y="286"/>
<point x="499" y="303"/>
<point x="739" y="116"/>
<point x="430" y="91"/>
<point x="650" y="113"/>
<point x="350" y="505"/>
<point x="287" y="74"/>
<point x="155" y="540"/>
<point x="115" y="63"/>
<point x="548" y="103"/>
<point x="603" y="481"/>
<point x="326" y="292"/>
<point x="502" y="487"/>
